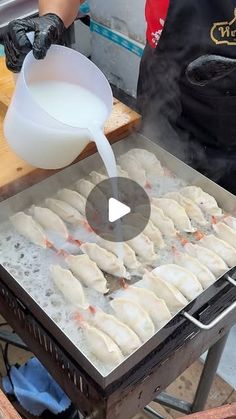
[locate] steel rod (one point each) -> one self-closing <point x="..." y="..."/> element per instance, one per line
<point x="152" y="413"/>
<point x="208" y="374"/>
<point x="13" y="339"/>
<point x="173" y="403"/>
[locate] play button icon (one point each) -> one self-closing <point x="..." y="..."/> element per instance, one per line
<point x="118" y="209"/>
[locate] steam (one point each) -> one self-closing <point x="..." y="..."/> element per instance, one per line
<point x="159" y="101"/>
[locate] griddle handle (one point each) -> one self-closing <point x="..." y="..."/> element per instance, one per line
<point x="225" y="313"/>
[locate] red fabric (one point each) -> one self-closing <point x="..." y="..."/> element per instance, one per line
<point x="156" y="13"/>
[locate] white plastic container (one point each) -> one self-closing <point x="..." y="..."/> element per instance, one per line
<point x="39" y="138"/>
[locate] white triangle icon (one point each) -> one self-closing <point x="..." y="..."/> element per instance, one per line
<point x="117" y="210"/>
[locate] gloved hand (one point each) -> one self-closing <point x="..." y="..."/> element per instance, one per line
<point x="48" y="30"/>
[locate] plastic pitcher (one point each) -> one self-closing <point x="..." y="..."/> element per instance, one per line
<point x="37" y="136"/>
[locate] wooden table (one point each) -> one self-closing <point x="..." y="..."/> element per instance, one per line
<point x="15" y="174"/>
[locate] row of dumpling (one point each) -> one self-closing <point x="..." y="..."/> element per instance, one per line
<point x="136" y="164"/>
<point x="145" y="162"/>
<point x="139" y="163"/>
<point x="201" y="264"/>
<point x="215" y="253"/>
<point x="176" y="209"/>
<point x="197" y="268"/>
<point x="90" y="265"/>
<point x="218" y="254"/>
<point x="137" y="314"/>
<point x="104" y="253"/>
<point x="171" y="213"/>
<point x="69" y="207"/>
<point x="181" y="207"/>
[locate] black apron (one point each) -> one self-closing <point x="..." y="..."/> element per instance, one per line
<point x="198" y="124"/>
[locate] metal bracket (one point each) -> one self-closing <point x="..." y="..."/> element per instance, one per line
<point x="209" y="326"/>
<point x="221" y="316"/>
<point x="231" y="280"/>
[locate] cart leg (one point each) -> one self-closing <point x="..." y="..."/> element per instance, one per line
<point x="208" y="374"/>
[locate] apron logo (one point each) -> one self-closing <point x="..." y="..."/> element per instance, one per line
<point x="224" y="32"/>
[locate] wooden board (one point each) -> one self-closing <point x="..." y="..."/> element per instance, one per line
<point x="15" y="174"/>
<point x="223" y="412"/>
<point x="7" y="411"/>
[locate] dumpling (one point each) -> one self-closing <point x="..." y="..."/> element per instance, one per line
<point x="135" y="317"/>
<point x="184" y="280"/>
<point x="151" y="231"/>
<point x="143" y="247"/>
<point x="207" y="257"/>
<point x="225" y="233"/>
<point x="102" y="346"/>
<point x="175" y="212"/>
<point x="202" y="199"/>
<point x="105" y="260"/>
<point x="173" y="298"/>
<point x="87" y="272"/>
<point x="230" y="221"/>
<point x="154" y="234"/>
<point x="29" y="228"/>
<point x="50" y="221"/>
<point x="221" y="248"/>
<point x="165" y="224"/>
<point x="148" y="161"/>
<point x="121" y="172"/>
<point x="73" y="198"/>
<point x="127" y="253"/>
<point x="97" y="177"/>
<point x="133" y="168"/>
<point x="155" y="307"/>
<point x="84" y="187"/>
<point x="202" y="273"/>
<point x="69" y="286"/>
<point x="122" y="335"/>
<point x="65" y="211"/>
<point x="193" y="211"/>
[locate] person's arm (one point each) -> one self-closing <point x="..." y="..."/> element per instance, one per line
<point x="66" y="9"/>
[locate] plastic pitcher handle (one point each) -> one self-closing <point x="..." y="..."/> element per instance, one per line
<point x="30" y="36"/>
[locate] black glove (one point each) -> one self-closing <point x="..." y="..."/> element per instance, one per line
<point x="48" y="30"/>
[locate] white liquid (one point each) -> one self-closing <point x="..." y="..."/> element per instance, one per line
<point x="76" y="106"/>
<point x="69" y="103"/>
